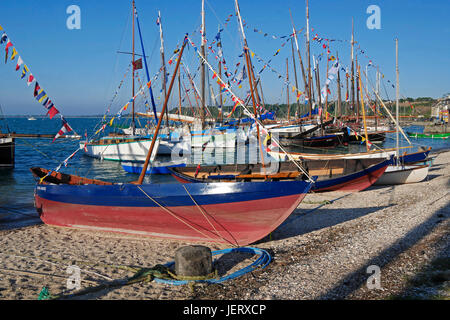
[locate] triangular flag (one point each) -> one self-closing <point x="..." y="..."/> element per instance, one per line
<point x="24" y="71"/>
<point x="52" y="111"/>
<point x="8" y="45"/>
<point x="30" y="79"/>
<point x="19" y="63"/>
<point x="3" y="38"/>
<point x="36" y="89"/>
<point x="45" y="102"/>
<point x="14" y="53"/>
<point x="65" y="129"/>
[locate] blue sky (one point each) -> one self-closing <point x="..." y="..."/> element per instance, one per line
<point x="80" y="69"/>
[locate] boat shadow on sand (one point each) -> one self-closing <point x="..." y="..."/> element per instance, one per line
<point x="303" y="221"/>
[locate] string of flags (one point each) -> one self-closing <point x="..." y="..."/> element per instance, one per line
<point x="256" y="30"/>
<point x="358" y="49"/>
<point x="139" y="92"/>
<point x="226" y="88"/>
<point x="39" y="94"/>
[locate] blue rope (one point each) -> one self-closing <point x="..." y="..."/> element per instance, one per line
<point x="263" y="260"/>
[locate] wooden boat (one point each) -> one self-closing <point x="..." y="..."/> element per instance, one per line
<point x="405" y="158"/>
<point x="327" y="141"/>
<point x="237" y="213"/>
<point x="398" y="173"/>
<point x="429" y="135"/>
<point x="156" y="167"/>
<point x="120" y="148"/>
<point x="7" y="151"/>
<point x="403" y="174"/>
<point x="332" y="175"/>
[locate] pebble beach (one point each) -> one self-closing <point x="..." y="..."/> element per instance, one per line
<point x="323" y="251"/>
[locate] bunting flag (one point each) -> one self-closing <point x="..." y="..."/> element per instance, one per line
<point x="14" y="54"/>
<point x="24" y="71"/>
<point x="331" y="74"/>
<point x="52" y="111"/>
<point x="30" y="79"/>
<point x="8" y="45"/>
<point x="3" y="38"/>
<point x="41" y="95"/>
<point x="36" y="89"/>
<point x="64" y="129"/>
<point x="19" y="63"/>
<point x="101" y="129"/>
<point x="66" y="161"/>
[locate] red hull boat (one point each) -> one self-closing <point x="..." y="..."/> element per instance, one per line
<point x="233" y="213"/>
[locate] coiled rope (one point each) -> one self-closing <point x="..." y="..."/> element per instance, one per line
<point x="164" y="274"/>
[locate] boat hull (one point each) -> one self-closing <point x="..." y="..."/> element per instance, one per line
<point x="153" y="168"/>
<point x="405" y="158"/>
<point x="134" y="151"/>
<point x="430" y="135"/>
<point x="7" y="152"/>
<point x="350" y="176"/>
<point x="401" y="175"/>
<point x="232" y="213"/>
<point x="354" y="182"/>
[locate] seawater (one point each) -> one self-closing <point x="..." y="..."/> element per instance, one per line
<point x="17" y="185"/>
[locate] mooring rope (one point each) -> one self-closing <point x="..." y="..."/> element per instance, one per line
<point x="205" y="216"/>
<point x="174" y="215"/>
<point x="163" y="274"/>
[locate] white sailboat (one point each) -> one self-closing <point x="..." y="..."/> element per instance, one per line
<point x="108" y="148"/>
<point x="399" y="173"/>
<point x="123" y="147"/>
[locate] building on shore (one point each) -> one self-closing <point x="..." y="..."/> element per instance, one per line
<point x="440" y="110"/>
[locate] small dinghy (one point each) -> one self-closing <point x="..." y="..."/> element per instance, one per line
<point x="403" y="174"/>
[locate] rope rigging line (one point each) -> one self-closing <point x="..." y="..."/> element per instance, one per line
<point x="173" y="214"/>
<point x="251" y="115"/>
<point x="205" y="216"/>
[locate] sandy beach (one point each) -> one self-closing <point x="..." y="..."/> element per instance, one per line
<point x="321" y="252"/>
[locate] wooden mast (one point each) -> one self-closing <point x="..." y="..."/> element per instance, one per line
<point x="326" y="78"/>
<point x="220" y="54"/>
<point x="346" y="93"/>
<point x="301" y="64"/>
<point x="133" y="125"/>
<point x="363" y="110"/>
<point x="397" y="94"/>
<point x="202" y="47"/>
<point x="250" y="79"/>
<point x="338" y="111"/>
<point x="376" y="101"/>
<point x="357" y="90"/>
<point x="308" y="54"/>
<point x="179" y="92"/>
<point x="287" y="90"/>
<point x="319" y="97"/>
<point x="163" y="64"/>
<point x="295" y="77"/>
<point x="352" y="79"/>
<point x="155" y="134"/>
